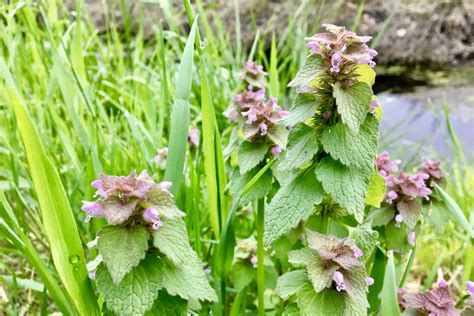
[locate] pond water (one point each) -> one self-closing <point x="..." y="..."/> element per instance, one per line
<point x="414" y="124"/>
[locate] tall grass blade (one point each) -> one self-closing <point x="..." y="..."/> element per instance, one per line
<point x="60" y="226"/>
<point x="273" y="72"/>
<point x="389" y="304"/>
<point x="180" y="115"/>
<point x="455" y="211"/>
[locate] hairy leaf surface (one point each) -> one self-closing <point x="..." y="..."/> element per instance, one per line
<point x="291" y="282"/>
<point x="250" y="155"/>
<point x="353" y="103"/>
<point x="122" y="248"/>
<point x="312" y="68"/>
<point x="302" y="146"/>
<point x="292" y="203"/>
<point x="325" y="303"/>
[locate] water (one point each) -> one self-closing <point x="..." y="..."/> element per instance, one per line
<point x="73" y="259"/>
<point x="413" y="123"/>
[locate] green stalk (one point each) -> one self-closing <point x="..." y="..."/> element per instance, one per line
<point x="260" y="256"/>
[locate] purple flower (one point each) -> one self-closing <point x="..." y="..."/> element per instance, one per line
<point x="432" y="168"/>
<point x="437" y="302"/>
<point x="152" y="215"/>
<point x="470" y="288"/>
<point x="207" y="272"/>
<point x="369" y="281"/>
<point x="391" y="195"/>
<point x="165" y="185"/>
<point x="276" y="150"/>
<point x="193" y="138"/>
<point x="413" y="186"/>
<point x="411" y="237"/>
<point x="375" y="104"/>
<point x="93" y="209"/>
<point x="442" y="283"/>
<point x="254" y="261"/>
<point x="385" y="166"/>
<point x="340" y="48"/>
<point x="92" y="275"/>
<point x="357" y="252"/>
<point x="338" y="278"/>
<point x="398" y="220"/>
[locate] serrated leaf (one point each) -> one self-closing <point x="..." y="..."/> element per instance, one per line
<point x="353" y="149"/>
<point x="347" y="185"/>
<point x="356" y="290"/>
<point x="260" y="189"/>
<point x="319" y="274"/>
<point x="327" y="302"/>
<point x="138" y="290"/>
<point x="184" y="275"/>
<point x="396" y="237"/>
<point x="411" y="212"/>
<point x="122" y="248"/>
<point x="381" y="216"/>
<point x="290" y="283"/>
<point x="312" y="68"/>
<point x="376" y="190"/>
<point x="243" y="274"/>
<point x="304" y="107"/>
<point x="168" y="305"/>
<point x="302" y="146"/>
<point x="278" y="134"/>
<point x="353" y="103"/>
<point x="250" y="155"/>
<point x="301" y="256"/>
<point x="365" y="238"/>
<point x="292" y="203"/>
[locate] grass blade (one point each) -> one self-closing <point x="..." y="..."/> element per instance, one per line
<point x="58" y="219"/>
<point x="455" y="210"/>
<point x="273" y="72"/>
<point x="180" y="115"/>
<point x="389" y="304"/>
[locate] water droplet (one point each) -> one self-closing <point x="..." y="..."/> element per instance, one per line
<point x="74" y="259"/>
<point x="76" y="269"/>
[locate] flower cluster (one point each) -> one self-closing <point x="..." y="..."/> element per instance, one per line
<point x="340" y="49"/>
<point x="126" y="200"/>
<point x="337" y="262"/>
<point x="253" y="110"/>
<point x="246" y="250"/>
<point x="435" y="302"/>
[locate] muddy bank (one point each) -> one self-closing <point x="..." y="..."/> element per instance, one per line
<point x="436" y="33"/>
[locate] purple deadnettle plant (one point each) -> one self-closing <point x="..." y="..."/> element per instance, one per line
<point x="144" y="248"/>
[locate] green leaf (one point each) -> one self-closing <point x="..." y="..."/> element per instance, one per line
<point x="327" y="302"/>
<point x="273" y="72"/>
<point x="290" y="283"/>
<point x="347" y="185"/>
<point x="250" y="155"/>
<point x="184" y="276"/>
<point x="302" y="146"/>
<point x="455" y="211"/>
<point x="356" y="292"/>
<point x="365" y="73"/>
<point x="168" y="305"/>
<point x="389" y="305"/>
<point x="320" y="274"/>
<point x="365" y="238"/>
<point x="259" y="190"/>
<point x="381" y="216"/>
<point x="138" y="290"/>
<point x="243" y="274"/>
<point x="411" y="212"/>
<point x="301" y="256"/>
<point x="304" y="107"/>
<point x="312" y="68"/>
<point x="58" y="219"/>
<point x="376" y="190"/>
<point x="291" y="309"/>
<point x="397" y="237"/>
<point x="180" y="115"/>
<point x="353" y="149"/>
<point x="122" y="248"/>
<point x="278" y="134"/>
<point x="292" y="203"/>
<point x="215" y="174"/>
<point x="353" y="103"/>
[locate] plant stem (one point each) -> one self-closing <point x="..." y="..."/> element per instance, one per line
<point x="324" y="223"/>
<point x="260" y="256"/>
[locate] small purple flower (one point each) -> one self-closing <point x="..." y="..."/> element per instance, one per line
<point x="357" y="252"/>
<point x="432" y="168"/>
<point x="92" y="275"/>
<point x="398" y="220"/>
<point x="372" y="52"/>
<point x="193" y="138"/>
<point x="165" y="185"/>
<point x="151" y="215"/>
<point x="413" y="186"/>
<point x="263" y="128"/>
<point x="339" y="279"/>
<point x="369" y="281"/>
<point x="375" y="103"/>
<point x="97" y="184"/>
<point x="161" y="157"/>
<point x="470" y="288"/>
<point x="276" y="150"/>
<point x="442" y="283"/>
<point x="411" y="237"/>
<point x="254" y="261"/>
<point x="93" y="209"/>
<point x="207" y="272"/>
<point x="157" y="224"/>
<point x="386" y="166"/>
<point x="391" y="195"/>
